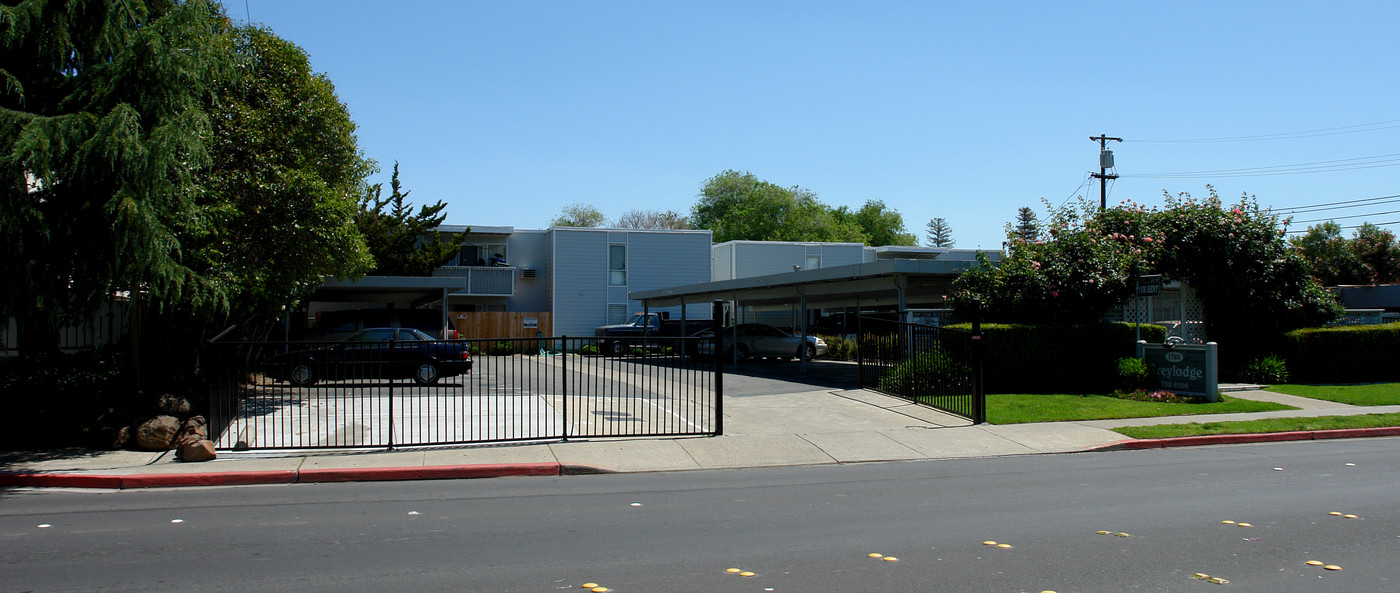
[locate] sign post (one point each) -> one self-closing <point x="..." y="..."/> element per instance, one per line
<point x="1147" y="286"/>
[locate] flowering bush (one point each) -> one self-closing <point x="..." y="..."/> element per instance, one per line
<point x="1166" y="397"/>
<point x="1235" y="258"/>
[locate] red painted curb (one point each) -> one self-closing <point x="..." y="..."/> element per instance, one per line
<point x="1350" y="433"/>
<point x="209" y="479"/>
<point x="60" y="480"/>
<point x="441" y="472"/>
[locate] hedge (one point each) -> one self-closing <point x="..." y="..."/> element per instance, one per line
<point x="1353" y="354"/>
<point x="1025" y="358"/>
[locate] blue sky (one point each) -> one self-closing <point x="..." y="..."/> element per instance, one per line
<point x="508" y="111"/>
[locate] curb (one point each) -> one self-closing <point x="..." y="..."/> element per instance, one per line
<point x="308" y="476"/>
<point x="1267" y="437"/>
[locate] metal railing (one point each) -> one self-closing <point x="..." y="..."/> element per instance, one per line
<point x="273" y="395"/>
<point x="481" y="280"/>
<point x="937" y="367"/>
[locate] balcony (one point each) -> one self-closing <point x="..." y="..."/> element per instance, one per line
<point x="481" y="280"/>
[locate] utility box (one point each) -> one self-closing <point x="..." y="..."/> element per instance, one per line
<point x="1183" y="369"/>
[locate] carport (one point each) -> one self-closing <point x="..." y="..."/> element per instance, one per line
<point x="413" y="292"/>
<point x="901" y="283"/>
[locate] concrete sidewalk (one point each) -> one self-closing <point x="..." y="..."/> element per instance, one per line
<point x="810" y="428"/>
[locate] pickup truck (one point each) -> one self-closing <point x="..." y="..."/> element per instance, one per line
<point x="646" y="325"/>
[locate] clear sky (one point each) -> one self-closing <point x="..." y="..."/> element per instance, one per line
<point x="509" y="110"/>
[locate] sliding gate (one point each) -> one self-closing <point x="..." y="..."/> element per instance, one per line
<point x="273" y="395"/>
<point x="934" y="366"/>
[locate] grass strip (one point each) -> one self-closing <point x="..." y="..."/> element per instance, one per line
<point x="1013" y="408"/>
<point x="1359" y="394"/>
<point x="1166" y="431"/>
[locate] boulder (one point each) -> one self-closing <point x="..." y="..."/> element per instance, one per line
<point x="193" y="430"/>
<point x="196" y="451"/>
<point x="173" y="405"/>
<point x="121" y="438"/>
<point x="157" y="434"/>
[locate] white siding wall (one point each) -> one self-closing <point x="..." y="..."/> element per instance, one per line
<point x="759" y="258"/>
<point x="655" y="259"/>
<point x="530" y="249"/>
<point x="580" y="280"/>
<point x="723" y="264"/>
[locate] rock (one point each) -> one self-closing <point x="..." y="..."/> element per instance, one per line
<point x="197" y="451"/>
<point x="157" y="434"/>
<point x="193" y="430"/>
<point x="173" y="405"/>
<point x="121" y="438"/>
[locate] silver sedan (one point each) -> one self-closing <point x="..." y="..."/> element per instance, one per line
<point x="758" y="340"/>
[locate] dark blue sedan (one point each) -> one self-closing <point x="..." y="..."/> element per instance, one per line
<point x="374" y="354"/>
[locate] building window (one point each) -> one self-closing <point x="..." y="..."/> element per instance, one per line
<point x="617" y="314"/>
<point x="813" y="262"/>
<point x="617" y="265"/>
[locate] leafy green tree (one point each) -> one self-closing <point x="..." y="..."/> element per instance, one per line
<point x="579" y="215"/>
<point x="1329" y="256"/>
<point x="401" y="241"/>
<point x="939" y="233"/>
<point x="882" y="225"/>
<point x="651" y="219"/>
<point x="739" y="206"/>
<point x="283" y="188"/>
<point x="1377" y="250"/>
<point x="103" y="134"/>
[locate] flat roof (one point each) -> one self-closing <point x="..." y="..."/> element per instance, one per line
<point x="381" y="289"/>
<point x="871" y="283"/>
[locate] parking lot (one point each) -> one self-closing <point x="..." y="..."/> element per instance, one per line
<point x="504" y="398"/>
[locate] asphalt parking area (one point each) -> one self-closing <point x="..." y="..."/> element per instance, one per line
<point x="752" y="378"/>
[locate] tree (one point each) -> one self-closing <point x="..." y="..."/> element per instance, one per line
<point x="739" y="206"/>
<point x="1027" y="227"/>
<point x="579" y="215"/>
<point x="651" y="219"/>
<point x="1330" y="257"/>
<point x="1378" y="252"/>
<point x="103" y="133"/>
<point x="882" y="225"/>
<point x="940" y="233"/>
<point x="284" y="183"/>
<point x="402" y="242"/>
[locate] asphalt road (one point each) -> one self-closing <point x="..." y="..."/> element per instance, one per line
<point x="796" y="529"/>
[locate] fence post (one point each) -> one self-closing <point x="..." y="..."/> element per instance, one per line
<point x="391" y="392"/>
<point x="979" y="393"/>
<point x="717" y="319"/>
<point x="564" y="384"/>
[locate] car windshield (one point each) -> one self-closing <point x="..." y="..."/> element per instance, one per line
<point x="372" y="335"/>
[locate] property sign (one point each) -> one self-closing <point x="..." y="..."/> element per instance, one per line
<point x="1149" y="285"/>
<point x="530" y="322"/>
<point x="1184" y="369"/>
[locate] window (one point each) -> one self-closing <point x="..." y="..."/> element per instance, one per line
<point x="813" y="262"/>
<point x="617" y="314"/>
<point x="617" y="265"/>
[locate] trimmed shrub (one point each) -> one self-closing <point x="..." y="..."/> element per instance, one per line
<point x="1355" y="354"/>
<point x="1132" y="373"/>
<point x="930" y="373"/>
<point x="590" y="350"/>
<point x="1267" y="370"/>
<point x="503" y="348"/>
<point x="1025" y="358"/>
<point x="839" y="348"/>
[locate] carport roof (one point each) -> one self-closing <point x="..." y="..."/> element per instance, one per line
<point x="872" y="283"/>
<point x="384" y="289"/>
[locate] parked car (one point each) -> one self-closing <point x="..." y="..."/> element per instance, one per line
<point x="369" y="355"/>
<point x="758" y="340"/>
<point x="625" y="336"/>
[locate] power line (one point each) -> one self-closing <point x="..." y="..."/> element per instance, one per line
<point x="1366" y="162"/>
<point x="1082" y="184"/>
<point x="1340" y="205"/>
<point x="1378" y="224"/>
<point x="1349" y="216"/>
<point x="1371" y="127"/>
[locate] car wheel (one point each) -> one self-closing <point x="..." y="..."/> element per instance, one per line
<point x="811" y="352"/>
<point x="617" y="348"/>
<point x="426" y="373"/>
<point x="303" y="374"/>
<point x="742" y="350"/>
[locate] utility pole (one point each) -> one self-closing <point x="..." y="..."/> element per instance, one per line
<point x="1105" y="163"/>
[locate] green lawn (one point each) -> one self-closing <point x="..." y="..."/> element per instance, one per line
<point x="1363" y="394"/>
<point x="1164" y="431"/>
<point x="1006" y="408"/>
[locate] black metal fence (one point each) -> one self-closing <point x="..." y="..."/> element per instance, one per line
<point x="387" y="394"/>
<point x="934" y="366"/>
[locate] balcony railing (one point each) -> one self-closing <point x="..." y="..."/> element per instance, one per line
<point x="482" y="280"/>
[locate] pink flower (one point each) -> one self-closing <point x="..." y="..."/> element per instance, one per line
<point x="1055" y="293"/>
<point x="1147" y="239"/>
<point x="1236" y="212"/>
